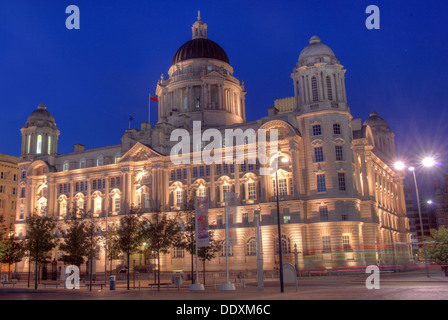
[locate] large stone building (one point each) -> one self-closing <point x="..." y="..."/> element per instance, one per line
<point x="341" y="204"/>
<point x="9" y="175"/>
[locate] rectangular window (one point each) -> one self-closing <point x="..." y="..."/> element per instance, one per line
<point x="321" y="186"/>
<point x="185" y="173"/>
<point x="317" y="130"/>
<point x="173" y="175"/>
<point x="323" y="211"/>
<point x="336" y="128"/>
<point x="218" y="169"/>
<point x="339" y="154"/>
<point x="179" y="174"/>
<point x="179" y="198"/>
<point x="195" y="172"/>
<point x="318" y="154"/>
<point x="346" y="241"/>
<point x="201" y="171"/>
<point x="243" y="167"/>
<point x="117" y="204"/>
<point x="251" y="190"/>
<point x="207" y="170"/>
<point x="326" y="243"/>
<point x="341" y="181"/>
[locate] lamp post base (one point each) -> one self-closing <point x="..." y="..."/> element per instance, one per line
<point x="197" y="287"/>
<point x="228" y="286"/>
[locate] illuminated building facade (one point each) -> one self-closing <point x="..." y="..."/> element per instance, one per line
<point x="340" y="202"/>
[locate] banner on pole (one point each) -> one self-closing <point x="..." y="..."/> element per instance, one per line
<point x="231" y="199"/>
<point x="201" y="208"/>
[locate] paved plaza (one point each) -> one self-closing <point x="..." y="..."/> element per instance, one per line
<point x="393" y="286"/>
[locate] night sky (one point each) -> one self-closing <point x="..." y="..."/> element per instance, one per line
<point x="92" y="79"/>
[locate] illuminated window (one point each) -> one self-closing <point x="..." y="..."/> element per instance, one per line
<point x="346" y="241"/>
<point x="98" y="207"/>
<point x="49" y="145"/>
<point x="201" y="191"/>
<point x="39" y="144"/>
<point x="28" y="145"/>
<point x="117" y="203"/>
<point x="282" y="187"/>
<point x="326" y="243"/>
<point x="179" y="197"/>
<point x="65" y="166"/>
<point x="251" y="190"/>
<point x="63" y="208"/>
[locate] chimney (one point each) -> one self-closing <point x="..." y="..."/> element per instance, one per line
<point x="79" y="147"/>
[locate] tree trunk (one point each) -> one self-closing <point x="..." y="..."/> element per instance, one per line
<point x="192" y="269"/>
<point x="158" y="270"/>
<point x="203" y="270"/>
<point x="128" y="271"/>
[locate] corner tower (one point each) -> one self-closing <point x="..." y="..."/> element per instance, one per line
<point x="319" y="79"/>
<point x="201" y="85"/>
<point x="39" y="135"/>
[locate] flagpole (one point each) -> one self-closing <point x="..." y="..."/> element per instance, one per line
<point x="149" y="111"/>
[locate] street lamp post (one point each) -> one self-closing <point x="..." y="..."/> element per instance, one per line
<point x="427" y="162"/>
<point x="282" y="288"/>
<point x="420" y="218"/>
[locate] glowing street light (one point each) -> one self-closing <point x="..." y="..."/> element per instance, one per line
<point x="428" y="162"/>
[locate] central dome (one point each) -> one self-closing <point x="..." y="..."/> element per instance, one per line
<point x="200" y="48"/>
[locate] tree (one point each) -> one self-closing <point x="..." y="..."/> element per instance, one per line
<point x="209" y="252"/>
<point x="13" y="252"/>
<point x="40" y="240"/>
<point x="78" y="242"/>
<point x="160" y="233"/>
<point x="113" y="250"/>
<point x="129" y="236"/>
<point x="186" y="239"/>
<point x="438" y="251"/>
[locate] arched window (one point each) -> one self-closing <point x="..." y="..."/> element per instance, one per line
<point x="116" y="204"/>
<point x="251" y="247"/>
<point x="62" y="207"/>
<point x="49" y="145"/>
<point x="66" y="165"/>
<point x="100" y="160"/>
<point x="98" y="205"/>
<point x="39" y="144"/>
<point x="42" y="206"/>
<point x="286" y="245"/>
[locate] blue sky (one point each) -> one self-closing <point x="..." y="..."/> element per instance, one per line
<point x="92" y="79"/>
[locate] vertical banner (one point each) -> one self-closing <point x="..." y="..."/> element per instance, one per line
<point x="230" y="199"/>
<point x="258" y="238"/>
<point x="201" y="208"/>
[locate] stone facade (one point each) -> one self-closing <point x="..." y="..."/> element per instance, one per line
<point x="340" y="202"/>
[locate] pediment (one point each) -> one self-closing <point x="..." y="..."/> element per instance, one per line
<point x="139" y="152"/>
<point x="213" y="75"/>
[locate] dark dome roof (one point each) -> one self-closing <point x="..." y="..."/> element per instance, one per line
<point x="41" y="117"/>
<point x="200" y="48"/>
<point x="375" y="120"/>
